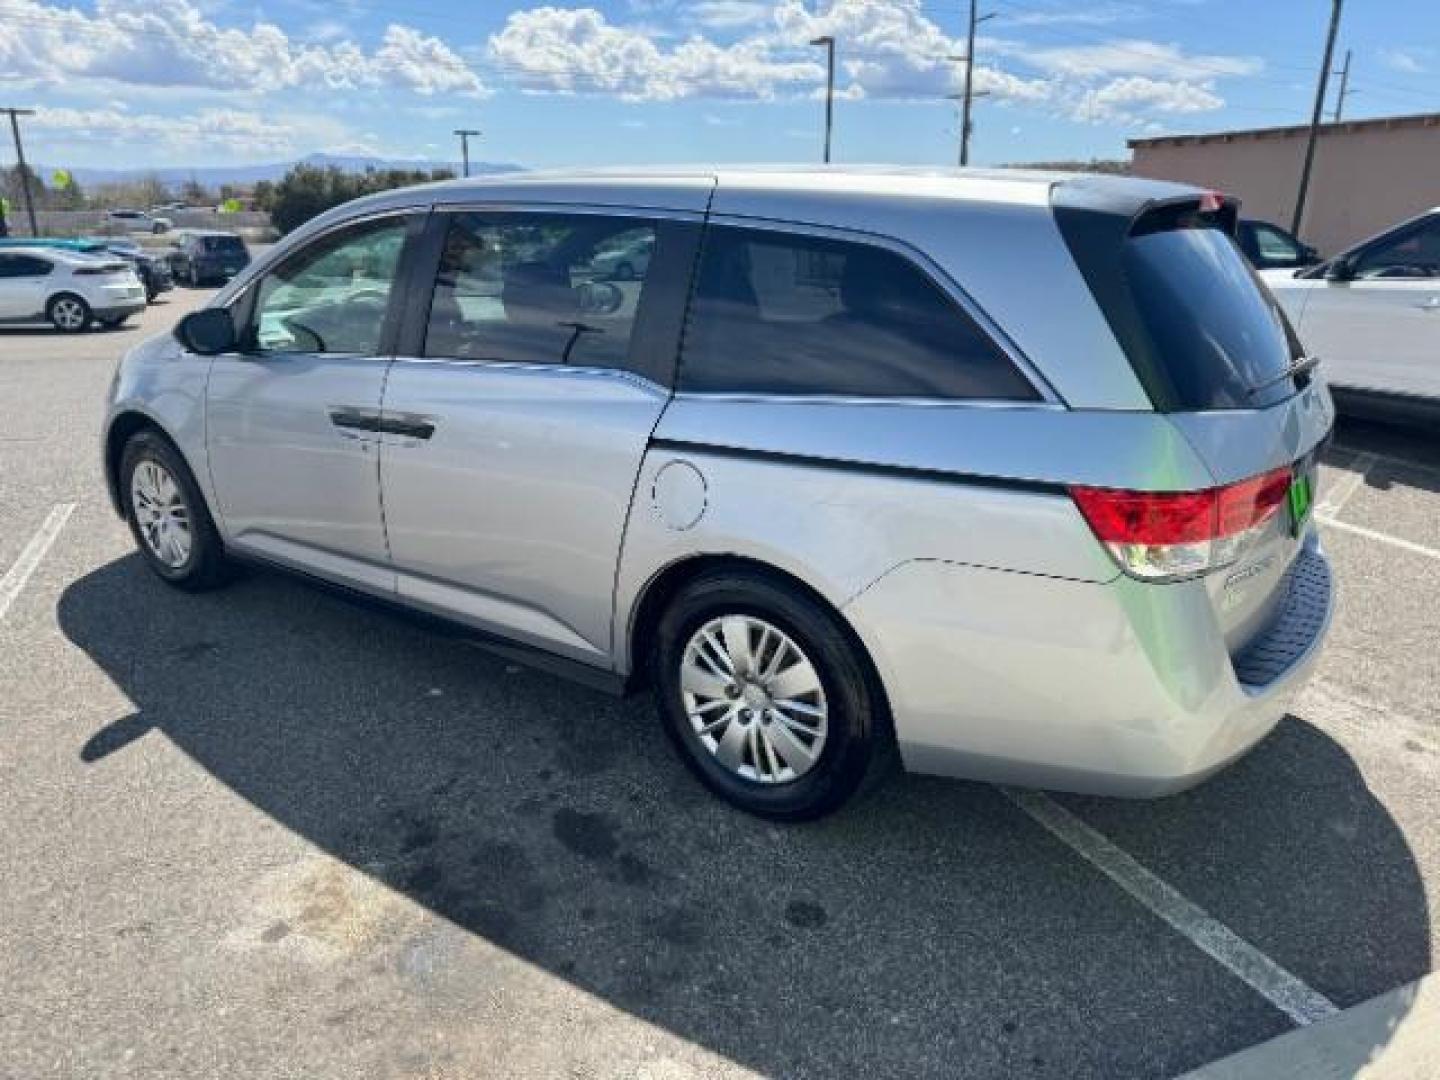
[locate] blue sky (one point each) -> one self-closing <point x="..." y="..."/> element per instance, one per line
<point x="138" y="83"/>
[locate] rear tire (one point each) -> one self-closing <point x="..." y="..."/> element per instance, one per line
<point x="168" y="516"/>
<point x="68" y="313"/>
<point x="807" y="718"/>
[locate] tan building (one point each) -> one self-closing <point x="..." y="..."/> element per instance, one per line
<point x="1368" y="174"/>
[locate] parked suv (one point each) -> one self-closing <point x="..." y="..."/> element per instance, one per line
<point x="1373" y="313"/>
<point x="68" y="289"/>
<point x="201" y="257"/>
<point x="1012" y="472"/>
<point x="137" y="221"/>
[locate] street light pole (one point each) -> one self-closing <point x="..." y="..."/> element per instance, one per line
<point x="465" y="134"/>
<point x="1336" y="5"/>
<point x="24" y="169"/>
<point x="829" y="43"/>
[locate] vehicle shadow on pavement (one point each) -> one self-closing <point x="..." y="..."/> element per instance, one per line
<point x="932" y="929"/>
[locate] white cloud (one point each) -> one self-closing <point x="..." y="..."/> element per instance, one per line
<point x="889" y="49"/>
<point x="1131" y="97"/>
<point x="729" y="14"/>
<point x="1092" y="16"/>
<point x="234" y="133"/>
<point x="1130" y="57"/>
<point x="1406" y="61"/>
<point x="570" y="50"/>
<point x="172" y="43"/>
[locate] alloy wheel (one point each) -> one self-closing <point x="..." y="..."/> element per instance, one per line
<point x="161" y="513"/>
<point x="68" y="314"/>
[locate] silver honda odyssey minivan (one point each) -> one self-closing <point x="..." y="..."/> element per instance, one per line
<point x="1010" y="472"/>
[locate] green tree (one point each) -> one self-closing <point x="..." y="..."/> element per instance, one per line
<point x="307" y="191"/>
<point x="195" y="193"/>
<point x="263" y="196"/>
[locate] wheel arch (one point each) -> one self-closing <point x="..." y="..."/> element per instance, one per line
<point x="664" y="586"/>
<point x="123" y="427"/>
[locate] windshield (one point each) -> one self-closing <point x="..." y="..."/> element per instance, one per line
<point x="1217" y="336"/>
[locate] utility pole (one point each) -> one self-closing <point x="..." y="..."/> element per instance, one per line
<point x="958" y="99"/>
<point x="1344" y="74"/>
<point x="829" y="43"/>
<point x="465" y="134"/>
<point x="24" y="169"/>
<point x="969" y="95"/>
<point x="1335" y="7"/>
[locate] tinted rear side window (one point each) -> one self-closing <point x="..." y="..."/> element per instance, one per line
<point x="782" y="313"/>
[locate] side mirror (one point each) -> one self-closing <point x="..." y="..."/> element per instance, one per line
<point x="1340" y="269"/>
<point x="1308" y="255"/>
<point x="208" y="332"/>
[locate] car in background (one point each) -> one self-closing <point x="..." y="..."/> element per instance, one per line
<point x="152" y="270"/>
<point x="137" y="221"/>
<point x="1269" y="247"/>
<point x="625" y="261"/>
<point x="68" y="289"/>
<point x="205" y="256"/>
<point x="1372" y="315"/>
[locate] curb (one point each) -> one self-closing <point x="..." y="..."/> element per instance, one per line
<point x="1395" y="1036"/>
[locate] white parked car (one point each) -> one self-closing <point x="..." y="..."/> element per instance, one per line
<point x="138" y="221"/>
<point x="68" y="289"/>
<point x="1372" y="316"/>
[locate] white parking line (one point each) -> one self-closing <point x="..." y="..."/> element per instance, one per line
<point x="1285" y="991"/>
<point x="1332" y="502"/>
<point x="1384" y="538"/>
<point x="16" y="577"/>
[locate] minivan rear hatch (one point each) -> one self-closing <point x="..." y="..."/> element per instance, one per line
<point x="1216" y="354"/>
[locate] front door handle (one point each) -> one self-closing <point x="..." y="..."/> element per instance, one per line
<point x="411" y="427"/>
<point x="354" y="419"/>
<point x="1433" y="304"/>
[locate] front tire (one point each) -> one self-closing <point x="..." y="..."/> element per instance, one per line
<point x="766" y="696"/>
<point x="68" y="313"/>
<point x="168" y="517"/>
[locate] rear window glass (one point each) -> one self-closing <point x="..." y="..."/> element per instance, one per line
<point x="780" y="313"/>
<point x="227" y="244"/>
<point x="1216" y="335"/>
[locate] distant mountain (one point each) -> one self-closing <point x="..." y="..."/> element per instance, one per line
<point x="214" y="175"/>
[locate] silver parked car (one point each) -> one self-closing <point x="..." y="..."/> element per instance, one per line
<point x="1009" y="471"/>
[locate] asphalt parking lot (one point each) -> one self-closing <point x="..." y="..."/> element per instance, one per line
<point x="265" y="833"/>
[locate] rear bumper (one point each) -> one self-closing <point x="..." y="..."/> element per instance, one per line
<point x="115" y="311"/>
<point x="1121" y="688"/>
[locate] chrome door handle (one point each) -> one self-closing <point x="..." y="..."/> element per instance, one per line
<point x="1433" y="304"/>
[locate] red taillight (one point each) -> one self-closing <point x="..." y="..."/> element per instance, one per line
<point x="1147" y="517"/>
<point x="1160" y="534"/>
<point x="1251" y="502"/>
